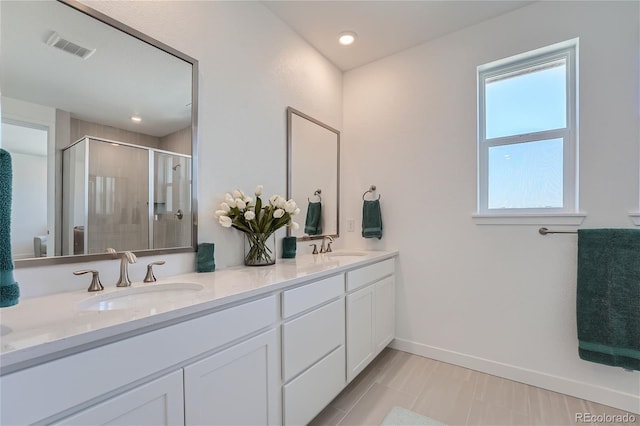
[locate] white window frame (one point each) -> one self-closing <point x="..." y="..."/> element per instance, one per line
<point x="569" y="213"/>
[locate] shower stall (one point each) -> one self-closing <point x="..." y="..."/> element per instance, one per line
<point x="124" y="196"/>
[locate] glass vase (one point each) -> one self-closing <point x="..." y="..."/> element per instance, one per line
<point x="259" y="249"/>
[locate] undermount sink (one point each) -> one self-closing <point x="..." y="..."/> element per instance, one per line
<point x="138" y="297"/>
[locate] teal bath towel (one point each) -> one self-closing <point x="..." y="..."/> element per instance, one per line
<point x="608" y="296"/>
<point x="371" y="219"/>
<point x="289" y="245"/>
<point x="204" y="258"/>
<point x="9" y="290"/>
<point x="313" y="222"/>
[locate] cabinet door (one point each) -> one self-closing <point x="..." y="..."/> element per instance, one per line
<point x="159" y="402"/>
<point x="238" y="386"/>
<point x="360" y="330"/>
<point x="385" y="313"/>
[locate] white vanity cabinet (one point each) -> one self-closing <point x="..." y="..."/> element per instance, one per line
<point x="82" y="383"/>
<point x="370" y="314"/>
<point x="313" y="348"/>
<point x="276" y="357"/>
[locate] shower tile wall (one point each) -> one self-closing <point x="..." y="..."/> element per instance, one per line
<point x="80" y="129"/>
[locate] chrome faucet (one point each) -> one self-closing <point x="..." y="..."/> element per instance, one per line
<point x="326" y="249"/>
<point x="125" y="260"/>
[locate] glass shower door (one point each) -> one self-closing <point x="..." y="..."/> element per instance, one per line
<point x="172" y="220"/>
<point x="118" y="197"/>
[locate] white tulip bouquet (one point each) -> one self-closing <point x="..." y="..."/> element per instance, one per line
<point x="258" y="221"/>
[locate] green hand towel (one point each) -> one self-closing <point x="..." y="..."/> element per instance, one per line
<point x="204" y="258"/>
<point x="313" y="222"/>
<point x="289" y="245"/>
<point x="608" y="296"/>
<point x="9" y="290"/>
<point x="371" y="219"/>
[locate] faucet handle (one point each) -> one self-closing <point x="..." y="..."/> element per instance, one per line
<point x="328" y="250"/>
<point x="150" y="277"/>
<point x="95" y="285"/>
<point x="315" y="248"/>
<point x="131" y="258"/>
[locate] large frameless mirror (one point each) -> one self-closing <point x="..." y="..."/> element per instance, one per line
<point x="313" y="175"/>
<point x="100" y="121"/>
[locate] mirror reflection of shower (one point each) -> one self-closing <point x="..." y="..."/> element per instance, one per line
<point x="124" y="196"/>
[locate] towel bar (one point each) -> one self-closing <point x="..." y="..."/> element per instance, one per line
<point x="545" y="231"/>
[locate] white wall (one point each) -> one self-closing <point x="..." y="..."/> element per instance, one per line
<point x="252" y="66"/>
<point x="499" y="299"/>
<point x="29" y="189"/>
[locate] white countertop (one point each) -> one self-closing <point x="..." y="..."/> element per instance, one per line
<point x="43" y="328"/>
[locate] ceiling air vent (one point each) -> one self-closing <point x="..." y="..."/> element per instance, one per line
<point x="58" y="42"/>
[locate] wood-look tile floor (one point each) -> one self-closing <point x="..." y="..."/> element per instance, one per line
<point x="451" y="394"/>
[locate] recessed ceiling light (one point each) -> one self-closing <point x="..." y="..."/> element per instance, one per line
<point x="347" y="38"/>
<point x="136" y="118"/>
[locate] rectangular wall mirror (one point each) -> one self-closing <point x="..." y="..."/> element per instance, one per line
<point x="100" y="121"/>
<point x="313" y="175"/>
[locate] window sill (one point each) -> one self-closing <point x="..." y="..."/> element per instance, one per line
<point x="635" y="217"/>
<point x="574" y="219"/>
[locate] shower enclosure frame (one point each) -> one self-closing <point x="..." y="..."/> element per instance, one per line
<point x="151" y="214"/>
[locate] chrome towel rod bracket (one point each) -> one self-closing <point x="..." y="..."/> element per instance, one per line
<point x="545" y="231"/>
<point x="316" y="194"/>
<point x="370" y="190"/>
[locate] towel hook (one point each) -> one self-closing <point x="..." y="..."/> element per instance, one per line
<point x="371" y="189"/>
<point x="316" y="194"/>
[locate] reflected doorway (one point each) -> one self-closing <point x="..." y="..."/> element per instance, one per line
<point x="28" y="145"/>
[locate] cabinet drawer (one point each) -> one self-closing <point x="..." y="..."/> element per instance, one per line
<point x="309" y="393"/>
<point x="368" y="274"/>
<point x="307" y="296"/>
<point x="310" y="337"/>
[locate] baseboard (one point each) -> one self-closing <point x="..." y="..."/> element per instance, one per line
<point x="611" y="397"/>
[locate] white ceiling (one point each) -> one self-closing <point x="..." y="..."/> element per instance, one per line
<point x="124" y="77"/>
<point x="383" y="27"/>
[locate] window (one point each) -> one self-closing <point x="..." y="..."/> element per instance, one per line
<point x="527" y="133"/>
